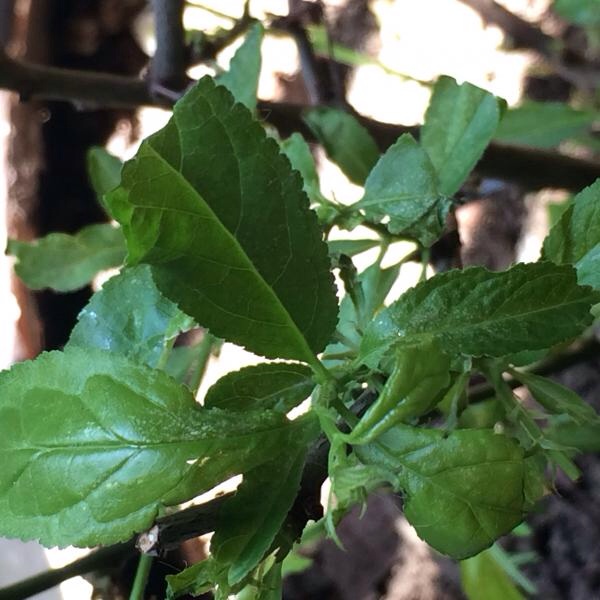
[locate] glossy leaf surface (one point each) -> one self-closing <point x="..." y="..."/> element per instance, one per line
<point x="93" y="445"/>
<point x="141" y="326"/>
<point x="346" y="141"/>
<point x="462" y="490"/>
<point x="478" y="312"/>
<point x="278" y="386"/>
<point x="575" y="239"/>
<point x="459" y="124"/>
<point x="199" y="213"/>
<point x="402" y="191"/>
<point x="65" y="262"/>
<point x="419" y="375"/>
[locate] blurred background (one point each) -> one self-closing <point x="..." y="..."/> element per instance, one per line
<point x="541" y="56"/>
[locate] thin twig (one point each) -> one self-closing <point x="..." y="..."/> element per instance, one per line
<point x="531" y="168"/>
<point x="105" y="557"/>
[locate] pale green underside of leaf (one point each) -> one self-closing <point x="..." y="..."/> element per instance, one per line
<point x="462" y="491"/>
<point x="543" y="124"/>
<point x="575" y="239"/>
<point x="130" y="316"/>
<point x="216" y="209"/>
<point x="483" y="578"/>
<point x="301" y="159"/>
<point x="104" y="171"/>
<point x="459" y="124"/>
<point x="346" y="141"/>
<point x="68" y="262"/>
<point x="481" y="313"/>
<point x="278" y="386"/>
<point x="93" y="445"/>
<point x="244" y="69"/>
<point x="402" y="189"/>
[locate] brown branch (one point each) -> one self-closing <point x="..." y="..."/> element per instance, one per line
<point x="102" y="558"/>
<point x="169" y="61"/>
<point x="531" y="168"/>
<point x="523" y="34"/>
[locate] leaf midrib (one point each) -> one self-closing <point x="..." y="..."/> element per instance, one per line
<point x="289" y="322"/>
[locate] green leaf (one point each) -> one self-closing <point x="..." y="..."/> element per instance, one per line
<point x="459" y="124"/>
<point x="68" y="262"/>
<point x="226" y="226"/>
<point x="584" y="438"/>
<point x="556" y="398"/>
<point x="194" y="581"/>
<point x="346" y="141"/>
<point x="250" y="520"/>
<point x="484" y="579"/>
<point x="575" y="239"/>
<point x="351" y="247"/>
<point x="301" y="159"/>
<point x="462" y="490"/>
<point x="477" y="312"/>
<point x="420" y="376"/>
<point x="244" y="69"/>
<point x="543" y="124"/>
<point x="93" y="446"/>
<point x="402" y="191"/>
<point x="142" y="325"/>
<point x="275" y="386"/>
<point x="104" y="171"/>
<point x="582" y="12"/>
<point x="375" y="284"/>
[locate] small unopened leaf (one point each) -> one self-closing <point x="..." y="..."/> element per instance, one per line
<point x="459" y="124"/>
<point x="227" y="229"/>
<point x="351" y="247"/>
<point x="142" y="325"/>
<point x="65" y="262"/>
<point x="402" y="191"/>
<point x="93" y="446"/>
<point x="575" y="238"/>
<point x="278" y="386"/>
<point x="557" y="398"/>
<point x="462" y="490"/>
<point x="346" y="141"/>
<point x="477" y="312"/>
<point x="244" y="69"/>
<point x="419" y="377"/>
<point x="543" y="124"/>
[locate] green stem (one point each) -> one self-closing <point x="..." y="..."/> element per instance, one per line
<point x="212" y="11"/>
<point x="204" y="349"/>
<point x="105" y="557"/>
<point x="425" y="256"/>
<point x="141" y="577"/>
<point x="163" y="359"/>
